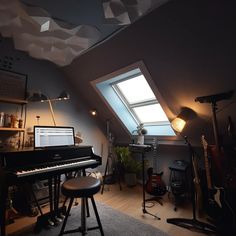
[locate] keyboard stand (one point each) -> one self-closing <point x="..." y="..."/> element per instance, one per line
<point x="143" y="149"/>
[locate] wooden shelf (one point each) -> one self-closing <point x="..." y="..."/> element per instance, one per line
<point x="13" y="101"/>
<point x="12" y="129"/>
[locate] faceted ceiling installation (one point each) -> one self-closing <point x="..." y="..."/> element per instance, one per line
<point x="42" y="29"/>
<point x="33" y="30"/>
<point x="124" y="12"/>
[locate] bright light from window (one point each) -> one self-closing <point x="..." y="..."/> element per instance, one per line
<point x="150" y="113"/>
<point x="128" y="93"/>
<point x="136" y="90"/>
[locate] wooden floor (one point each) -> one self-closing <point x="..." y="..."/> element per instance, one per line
<point x="129" y="201"/>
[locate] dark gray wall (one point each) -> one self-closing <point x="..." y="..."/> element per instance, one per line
<point x="46" y="77"/>
<point x="188" y="48"/>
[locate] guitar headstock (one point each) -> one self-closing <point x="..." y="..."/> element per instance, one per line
<point x="204" y="142"/>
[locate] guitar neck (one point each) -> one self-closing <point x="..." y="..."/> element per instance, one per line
<point x="207" y="167"/>
<point x="154" y="155"/>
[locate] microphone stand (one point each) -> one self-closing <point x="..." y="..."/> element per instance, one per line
<point x="192" y="224"/>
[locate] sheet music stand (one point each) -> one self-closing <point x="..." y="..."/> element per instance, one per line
<point x="142" y="149"/>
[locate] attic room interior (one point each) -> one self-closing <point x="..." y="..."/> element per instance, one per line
<point x="117" y="117"/>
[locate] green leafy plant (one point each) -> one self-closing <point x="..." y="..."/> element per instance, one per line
<point x="140" y="130"/>
<point x="125" y="158"/>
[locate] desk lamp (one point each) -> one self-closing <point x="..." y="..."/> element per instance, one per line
<point x="39" y="97"/>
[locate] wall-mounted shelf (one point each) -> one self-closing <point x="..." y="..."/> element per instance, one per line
<point x="13" y="101"/>
<point x="12" y="129"/>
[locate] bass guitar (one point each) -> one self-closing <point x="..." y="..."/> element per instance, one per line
<point x="155" y="185"/>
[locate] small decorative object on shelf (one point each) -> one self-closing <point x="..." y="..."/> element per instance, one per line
<point x="1" y="119"/>
<point x="141" y="131"/>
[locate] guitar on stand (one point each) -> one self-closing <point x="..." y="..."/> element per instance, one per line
<point x="197" y="186"/>
<point x="213" y="201"/>
<point x="112" y="173"/>
<point x="155" y="185"/>
<point x="226" y="224"/>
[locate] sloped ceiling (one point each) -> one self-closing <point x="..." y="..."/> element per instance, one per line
<point x="188" y="48"/>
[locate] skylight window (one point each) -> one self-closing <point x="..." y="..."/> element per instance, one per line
<point x="150" y="114"/>
<point x="136" y="90"/>
<point x="129" y="94"/>
<point x="140" y="100"/>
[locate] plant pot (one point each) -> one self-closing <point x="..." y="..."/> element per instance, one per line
<point x="140" y="139"/>
<point x="130" y="179"/>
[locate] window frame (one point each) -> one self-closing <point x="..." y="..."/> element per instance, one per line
<point x="130" y="106"/>
<point x="103" y="86"/>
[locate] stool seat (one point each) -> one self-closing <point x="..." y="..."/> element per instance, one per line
<point x="84" y="186"/>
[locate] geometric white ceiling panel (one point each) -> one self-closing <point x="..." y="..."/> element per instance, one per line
<point x="124" y="12"/>
<point x="34" y="31"/>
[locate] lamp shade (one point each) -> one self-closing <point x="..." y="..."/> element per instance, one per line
<point x="186" y="114"/>
<point x="37" y="97"/>
<point x="178" y="124"/>
<point x="63" y="95"/>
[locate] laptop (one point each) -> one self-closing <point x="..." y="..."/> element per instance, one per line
<point x="53" y="136"/>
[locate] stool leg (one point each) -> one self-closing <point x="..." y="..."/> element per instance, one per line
<point x="87" y="207"/>
<point x="97" y="216"/>
<point x="83" y="216"/>
<point x="66" y="217"/>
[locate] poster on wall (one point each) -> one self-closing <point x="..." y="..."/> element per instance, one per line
<point x="13" y="85"/>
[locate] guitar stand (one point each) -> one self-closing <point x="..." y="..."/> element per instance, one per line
<point x="144" y="200"/>
<point x="192" y="224"/>
<point x="157" y="199"/>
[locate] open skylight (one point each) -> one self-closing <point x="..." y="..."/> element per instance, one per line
<point x="133" y="100"/>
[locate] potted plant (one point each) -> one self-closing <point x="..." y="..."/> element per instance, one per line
<point x="128" y="165"/>
<point x="141" y="131"/>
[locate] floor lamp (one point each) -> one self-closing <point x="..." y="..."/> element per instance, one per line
<point x="193" y="224"/>
<point x="39" y="97"/>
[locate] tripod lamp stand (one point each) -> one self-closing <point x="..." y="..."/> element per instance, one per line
<point x="193" y="224"/>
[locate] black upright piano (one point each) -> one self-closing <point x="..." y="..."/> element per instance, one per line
<point x="28" y="165"/>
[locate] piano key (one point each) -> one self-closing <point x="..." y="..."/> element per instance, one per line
<point x="48" y="169"/>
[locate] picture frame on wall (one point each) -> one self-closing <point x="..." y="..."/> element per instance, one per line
<point x="13" y="85"/>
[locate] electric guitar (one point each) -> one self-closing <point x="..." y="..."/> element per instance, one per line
<point x="155" y="185"/>
<point x="219" y="204"/>
<point x="197" y="186"/>
<point x="213" y="201"/>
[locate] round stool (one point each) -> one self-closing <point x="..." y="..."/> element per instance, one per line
<point x="83" y="187"/>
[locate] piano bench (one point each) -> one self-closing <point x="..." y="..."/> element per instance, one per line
<point x="83" y="187"/>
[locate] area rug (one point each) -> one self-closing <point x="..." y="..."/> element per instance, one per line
<point x="114" y="223"/>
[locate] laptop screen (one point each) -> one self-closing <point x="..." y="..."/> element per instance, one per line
<point x="53" y="136"/>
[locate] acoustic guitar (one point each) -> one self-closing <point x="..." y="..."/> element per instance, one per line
<point x="155" y="185"/>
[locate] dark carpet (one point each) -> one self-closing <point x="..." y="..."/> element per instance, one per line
<point x="114" y="223"/>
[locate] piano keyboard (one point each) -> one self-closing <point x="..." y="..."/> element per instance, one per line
<point x="24" y="173"/>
